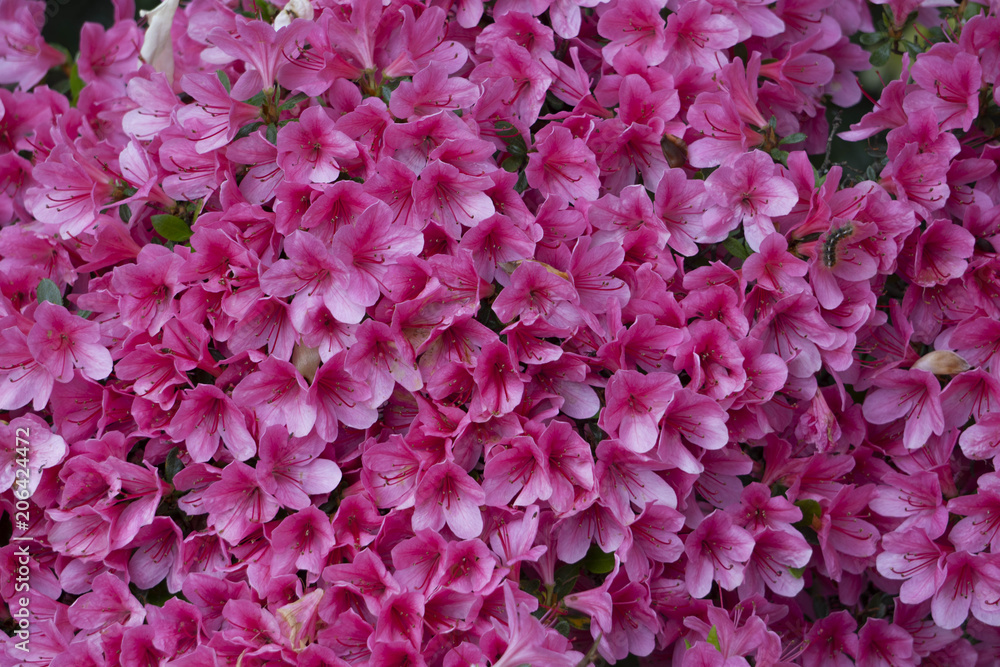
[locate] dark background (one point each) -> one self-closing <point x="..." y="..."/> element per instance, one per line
<point x="64" y="26"/>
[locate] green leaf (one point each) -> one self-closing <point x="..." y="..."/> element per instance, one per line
<point x="913" y="49"/>
<point x="292" y="101"/>
<point x="84" y="313"/>
<point x="247" y="130"/>
<point x="49" y="291"/>
<point x="794" y="138"/>
<point x="172" y="466"/>
<point x="737" y="248"/>
<point x="797" y="572"/>
<point x="224" y="78"/>
<point x="566" y="577"/>
<point x="125" y="213"/>
<point x="171" y="228"/>
<point x="512" y="163"/>
<point x="75" y="83"/>
<point x="773" y="122"/>
<point x="810" y="511"/>
<point x="522" y="183"/>
<point x="880" y="56"/>
<point x="713" y="638"/>
<point x="272" y="134"/>
<point x="598" y="562"/>
<point x="872" y="38"/>
<point x="511" y="138"/>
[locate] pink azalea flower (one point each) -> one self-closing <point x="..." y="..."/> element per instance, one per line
<point x="214" y="118"/>
<point x="881" y="642"/>
<point x="277" y="394"/>
<point x="24" y="55"/>
<point x="303" y="540"/>
<point x="563" y="165"/>
<point x="635" y="405"/>
<point x="238" y="501"/>
<point x="752" y="192"/>
<point x="109" y="603"/>
<point x="309" y="150"/>
<point x="913" y="394"/>
<point x="45" y="450"/>
<point x="915" y="498"/>
<point x="206" y="416"/>
<point x="950" y="87"/>
<point x="452" y="199"/>
<point x="62" y="342"/>
<point x="637" y="25"/>
<point x="260" y="45"/>
<point x="520" y="470"/>
<point x="696" y="36"/>
<point x="291" y="469"/>
<point x="717" y="550"/>
<point x="447" y="495"/>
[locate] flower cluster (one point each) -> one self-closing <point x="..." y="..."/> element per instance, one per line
<point x="519" y="333"/>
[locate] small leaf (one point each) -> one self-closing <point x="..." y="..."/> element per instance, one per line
<point x="797" y="572"/>
<point x="257" y="100"/>
<point x="737" y="248"/>
<point x="292" y="101"/>
<point x="880" y="56"/>
<point x="566" y="577"/>
<point x="84" y="313"/>
<point x="49" y="291"/>
<point x="911" y="48"/>
<point x="172" y="466"/>
<point x="872" y="38"/>
<point x="522" y="183"/>
<point x="247" y="130"/>
<point x="794" y="138"/>
<point x="599" y="562"/>
<point x="772" y="122"/>
<point x="171" y="228"/>
<point x="272" y="134"/>
<point x="75" y="84"/>
<point x="224" y="78"/>
<point x="125" y="213"/>
<point x="713" y="638"/>
<point x="512" y="163"/>
<point x="512" y="138"/>
<point x="810" y="512"/>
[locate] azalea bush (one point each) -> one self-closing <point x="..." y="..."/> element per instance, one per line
<point x="501" y="334"/>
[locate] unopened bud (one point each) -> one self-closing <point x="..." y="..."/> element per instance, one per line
<point x="306" y="360"/>
<point x="942" y="362"/>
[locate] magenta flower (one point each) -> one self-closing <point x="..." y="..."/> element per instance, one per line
<point x="302" y="542"/>
<point x="883" y="643"/>
<point x="563" y="165"/>
<point x="950" y="87"/>
<point x="62" y="342"/>
<point x="25" y="57"/>
<point x="237" y="502"/>
<point x="291" y="468"/>
<point x="752" y="191"/>
<point x="635" y="405"/>
<point x="109" y="603"/>
<point x="717" y="550"/>
<point x="913" y="394"/>
<point x="206" y="416"/>
<point x="277" y="394"/>
<point x="260" y="45"/>
<point x="309" y="150"/>
<point x="447" y="495"/>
